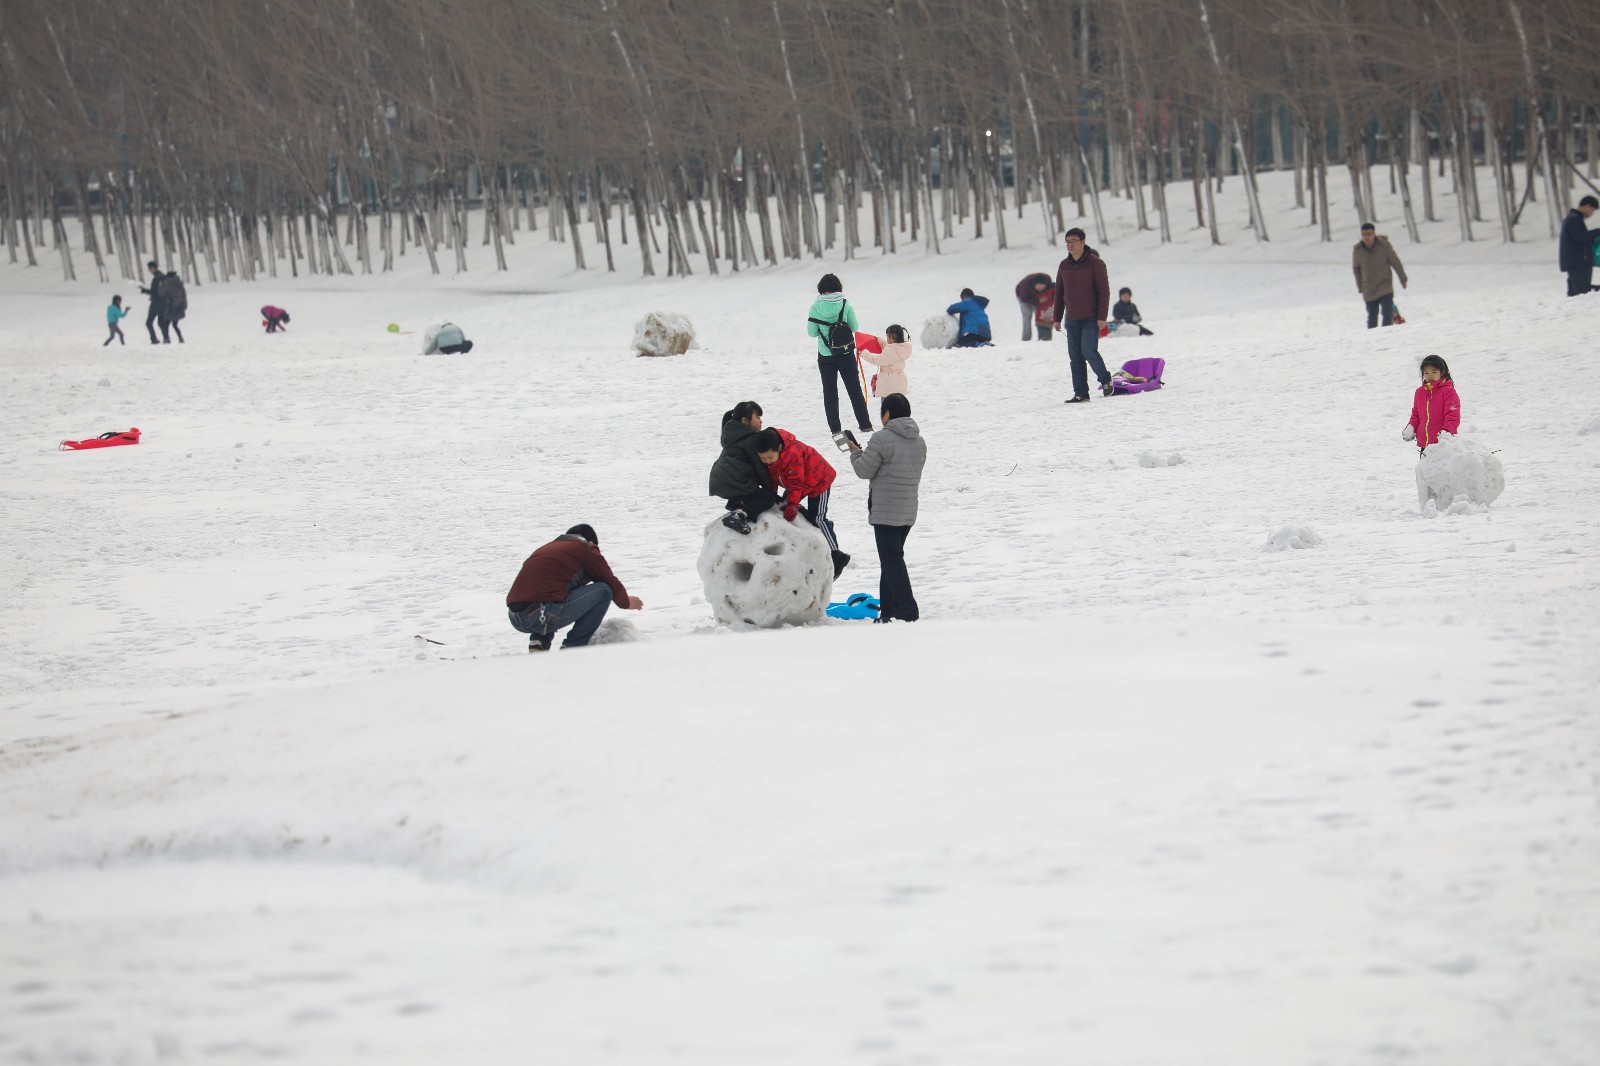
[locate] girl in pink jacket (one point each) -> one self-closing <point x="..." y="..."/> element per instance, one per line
<point x="891" y="363"/>
<point x="1435" y="408"/>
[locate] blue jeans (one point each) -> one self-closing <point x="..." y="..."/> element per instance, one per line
<point x="1083" y="344"/>
<point x="1383" y="305"/>
<point x="583" y="609"/>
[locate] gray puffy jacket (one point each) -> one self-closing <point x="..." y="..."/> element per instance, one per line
<point x="892" y="461"/>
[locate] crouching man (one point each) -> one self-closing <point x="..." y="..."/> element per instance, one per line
<point x="565" y="583"/>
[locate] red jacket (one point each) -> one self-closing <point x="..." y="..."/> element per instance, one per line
<point x="1082" y="289"/>
<point x="1435" y="409"/>
<point x="800" y="471"/>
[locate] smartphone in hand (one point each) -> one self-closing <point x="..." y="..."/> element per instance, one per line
<point x="844" y="438"/>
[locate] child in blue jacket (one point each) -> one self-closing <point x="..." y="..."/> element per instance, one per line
<point x="973" y="331"/>
<point x="114" y="316"/>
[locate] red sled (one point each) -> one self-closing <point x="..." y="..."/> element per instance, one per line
<point x="866" y="342"/>
<point x="105" y="440"/>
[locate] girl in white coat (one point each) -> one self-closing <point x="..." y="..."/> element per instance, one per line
<point x="891" y="363"/>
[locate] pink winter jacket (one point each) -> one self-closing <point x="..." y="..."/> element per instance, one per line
<point x="891" y="364"/>
<point x="1435" y="409"/>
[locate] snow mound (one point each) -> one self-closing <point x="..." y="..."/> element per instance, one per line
<point x="1151" y="459"/>
<point x="1592" y="426"/>
<point x="780" y="573"/>
<point x="1455" y="468"/>
<point x="616" y="631"/>
<point x="1462" y="504"/>
<point x="940" y="331"/>
<point x="663" y="333"/>
<point x="1292" y="537"/>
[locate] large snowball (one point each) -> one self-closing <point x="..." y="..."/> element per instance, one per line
<point x="940" y="331"/>
<point x="1453" y="468"/>
<point x="663" y="333"/>
<point x="780" y="573"/>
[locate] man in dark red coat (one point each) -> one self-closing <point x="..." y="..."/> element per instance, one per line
<point x="565" y="583"/>
<point x="1083" y="299"/>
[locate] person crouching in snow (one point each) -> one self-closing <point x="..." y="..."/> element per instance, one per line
<point x="891" y="363"/>
<point x="274" y="318"/>
<point x="803" y="474"/>
<point x="739" y="476"/>
<point x="565" y="583"/>
<point x="1435" y="408"/>
<point x="973" y="332"/>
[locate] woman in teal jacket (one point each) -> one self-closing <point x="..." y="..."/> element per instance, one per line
<point x="829" y="307"/>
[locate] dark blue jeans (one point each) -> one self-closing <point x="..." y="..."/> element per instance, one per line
<point x="1383" y="305"/>
<point x="1083" y="346"/>
<point x="583" y="610"/>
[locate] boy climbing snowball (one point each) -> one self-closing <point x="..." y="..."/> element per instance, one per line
<point x="803" y="474"/>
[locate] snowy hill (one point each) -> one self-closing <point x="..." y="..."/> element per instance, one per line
<point x="1134" y="791"/>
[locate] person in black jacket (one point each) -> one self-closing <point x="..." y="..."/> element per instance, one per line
<point x="739" y="476"/>
<point x="158" y="305"/>
<point x="1125" y="311"/>
<point x="1577" y="247"/>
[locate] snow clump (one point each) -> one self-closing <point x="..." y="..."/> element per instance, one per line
<point x="663" y="333"/>
<point x="1151" y="459"/>
<point x="1455" y="468"/>
<point x="780" y="573"/>
<point x="940" y="331"/>
<point x="1291" y="537"/>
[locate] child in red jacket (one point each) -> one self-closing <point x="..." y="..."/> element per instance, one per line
<point x="803" y="474"/>
<point x="1435" y="408"/>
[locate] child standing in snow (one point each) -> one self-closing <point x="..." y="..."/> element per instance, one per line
<point x="891" y="363"/>
<point x="803" y="474"/>
<point x="114" y="316"/>
<point x="1435" y="408"/>
<point x="739" y="476"/>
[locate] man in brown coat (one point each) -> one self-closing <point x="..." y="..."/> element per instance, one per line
<point x="1083" y="300"/>
<point x="1372" y="260"/>
<point x="565" y="583"/>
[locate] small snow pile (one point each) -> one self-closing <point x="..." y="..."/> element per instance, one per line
<point x="1460" y="505"/>
<point x="940" y="331"/>
<point x="1292" y="537"/>
<point x="663" y="333"/>
<point x="1151" y="459"/>
<point x="616" y="631"/>
<point x="1592" y="426"/>
<point x="1455" y="468"/>
<point x="780" y="573"/>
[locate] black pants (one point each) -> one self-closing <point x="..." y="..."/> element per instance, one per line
<point x="816" y="511"/>
<point x="1384" y="304"/>
<point x="116" y="334"/>
<point x="1580" y="282"/>
<point x="834" y="370"/>
<point x="894" y="584"/>
<point x="972" y="340"/>
<point x="154" y="315"/>
<point x="754" y="503"/>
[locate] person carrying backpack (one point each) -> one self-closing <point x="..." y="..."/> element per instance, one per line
<point x="833" y="322"/>
<point x="168" y="288"/>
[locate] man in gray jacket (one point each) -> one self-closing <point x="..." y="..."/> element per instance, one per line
<point x="1373" y="260"/>
<point x="892" y="464"/>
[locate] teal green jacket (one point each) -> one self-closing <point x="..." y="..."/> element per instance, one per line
<point x="827" y="309"/>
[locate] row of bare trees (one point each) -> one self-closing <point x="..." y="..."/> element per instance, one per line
<point x="329" y="136"/>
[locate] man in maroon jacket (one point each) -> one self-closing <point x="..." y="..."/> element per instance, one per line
<point x="565" y="583"/>
<point x="1083" y="299"/>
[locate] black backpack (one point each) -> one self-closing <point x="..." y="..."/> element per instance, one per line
<point x="174" y="295"/>
<point x="838" y="336"/>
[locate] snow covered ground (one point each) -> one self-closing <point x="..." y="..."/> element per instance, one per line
<point x="1136" y="790"/>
